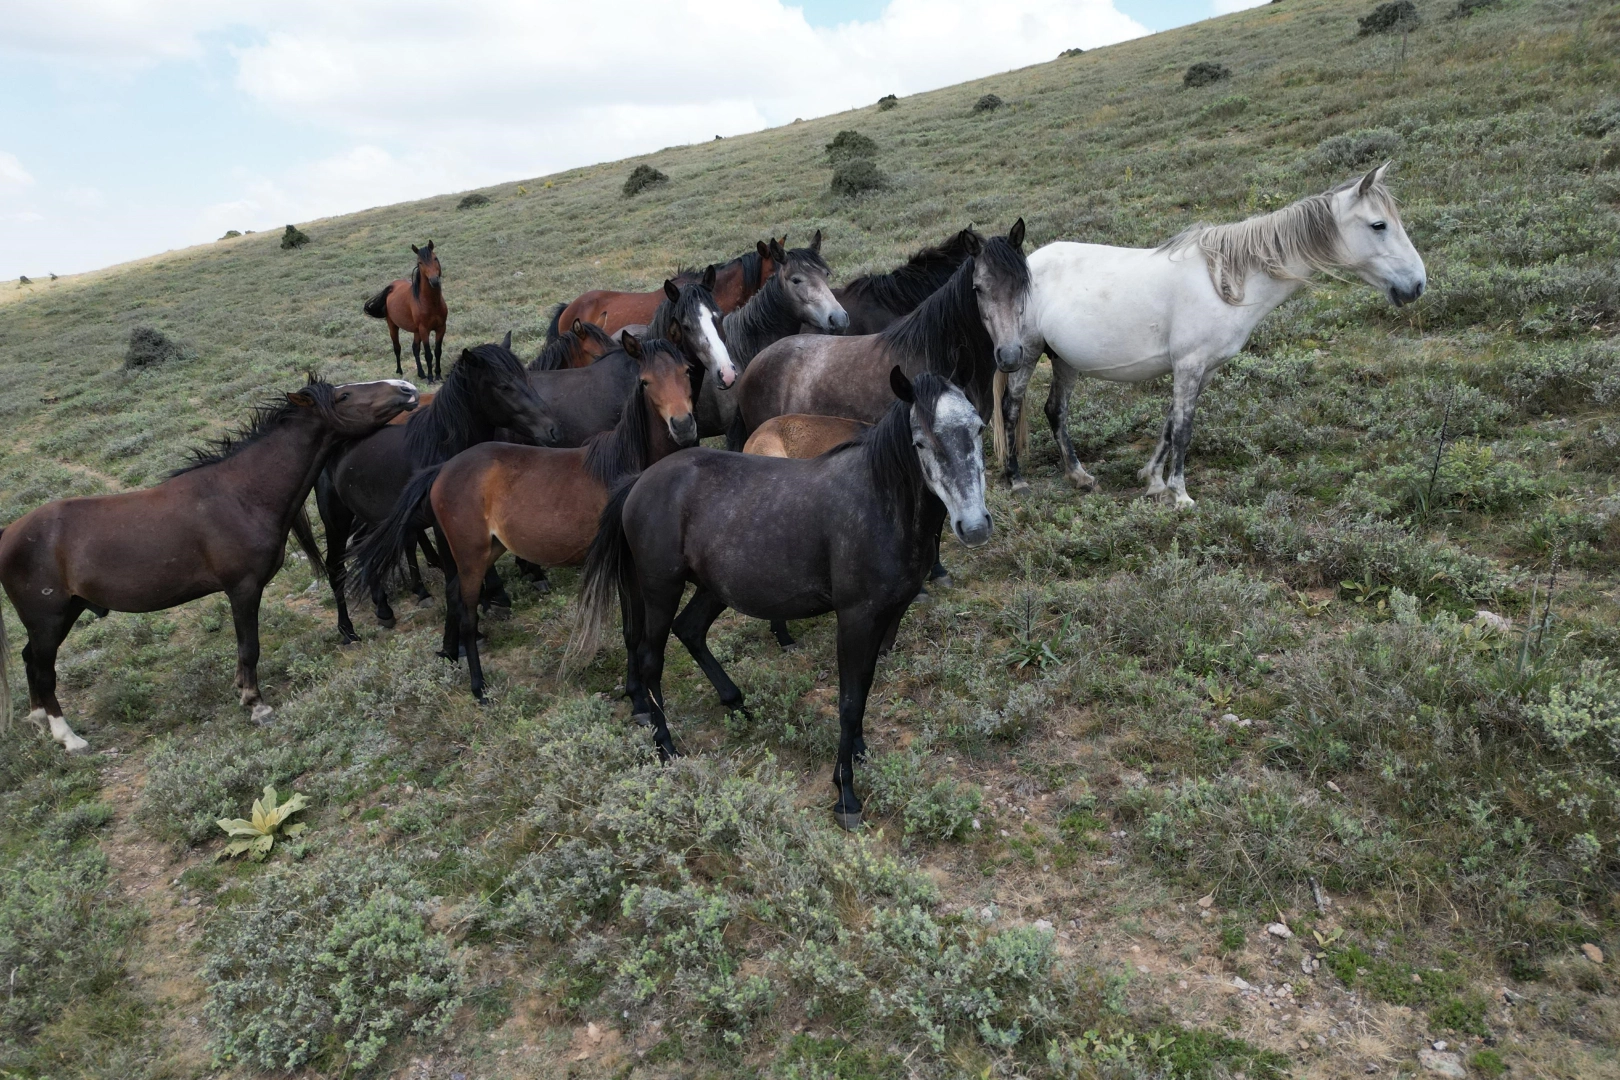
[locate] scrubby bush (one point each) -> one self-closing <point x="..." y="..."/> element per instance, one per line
<point x="857" y="177"/>
<point x="149" y="347"/>
<point x="887" y="102"/>
<point x="230" y="234"/>
<point x="1226" y="108"/>
<point x="849" y="145"/>
<point x="476" y="198"/>
<point x="1355" y="149"/>
<point x="1398" y="15"/>
<point x="641" y="178"/>
<point x="942" y="810"/>
<point x="294" y="237"/>
<point x="988" y="103"/>
<point x="1465" y="8"/>
<point x="1205" y="73"/>
<point x="1066" y="53"/>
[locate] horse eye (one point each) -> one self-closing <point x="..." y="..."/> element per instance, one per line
<point x="343" y="397"/>
<point x="798" y="281"/>
<point x="1379" y="226"/>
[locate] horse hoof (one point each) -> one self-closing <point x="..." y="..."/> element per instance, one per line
<point x="1084" y="482"/>
<point x="261" y="713"/>
<point x="542" y="586"/>
<point x="943" y="581"/>
<point x="425" y="600"/>
<point x="643" y="719"/>
<point x="1020" y="484"/>
<point x="388" y="623"/>
<point x="923" y="597"/>
<point x="495" y="613"/>
<point x="847" y="821"/>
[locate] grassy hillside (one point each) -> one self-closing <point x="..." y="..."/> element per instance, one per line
<point x="1127" y="742"/>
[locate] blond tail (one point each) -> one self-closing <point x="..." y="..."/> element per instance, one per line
<point x="998" y="430"/>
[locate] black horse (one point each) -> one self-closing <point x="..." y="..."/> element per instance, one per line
<point x="486" y="390"/>
<point x="853" y="531"/>
<point x="876" y="301"/>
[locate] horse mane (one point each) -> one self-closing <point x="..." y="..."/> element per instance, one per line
<point x="264" y="418"/>
<point x="447" y="426"/>
<point x="890" y="455"/>
<point x="416" y="281"/>
<point x="557" y="351"/>
<point x="1304" y="231"/>
<point x="612" y="455"/>
<point x="766" y="316"/>
<point x="691" y="295"/>
<point x="752" y="268"/>
<point x="908" y="285"/>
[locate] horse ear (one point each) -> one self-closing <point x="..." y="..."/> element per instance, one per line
<point x="415" y="250"/>
<point x="1015" y="235"/>
<point x="671" y="290"/>
<point x="709" y="275"/>
<point x="1370" y="179"/>
<point x="631" y="344"/>
<point x="975" y="242"/>
<point x="506" y="343"/>
<point x="815" y="242"/>
<point x="901" y="386"/>
<point x="302" y="398"/>
<point x="430" y="247"/>
<point x="578" y="329"/>
<point x="764" y="252"/>
<point x="778" y="253"/>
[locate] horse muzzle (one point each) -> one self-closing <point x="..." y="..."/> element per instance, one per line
<point x="1009" y="358"/>
<point x="684" y="430"/>
<point x="972" y="533"/>
<point x="1401" y="297"/>
<point x="838" y="320"/>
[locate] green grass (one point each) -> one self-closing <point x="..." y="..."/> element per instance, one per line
<point x="1049" y="737"/>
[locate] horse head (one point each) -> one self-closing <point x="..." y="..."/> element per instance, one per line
<point x="427" y="264"/>
<point x="947" y="434"/>
<point x="666" y="385"/>
<point x="1373" y="243"/>
<point x="802" y="275"/>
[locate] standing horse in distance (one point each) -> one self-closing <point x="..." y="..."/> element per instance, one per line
<point x="542" y="504"/>
<point x="853" y="531"/>
<point x="419" y="309"/>
<point x="735" y="282"/>
<point x="1189" y="305"/>
<point x="877" y="301"/>
<point x="218" y="525"/>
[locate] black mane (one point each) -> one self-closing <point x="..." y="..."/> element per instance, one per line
<point x="692" y="299"/>
<point x="612" y="455"/>
<point x="450" y="422"/>
<point x="904" y="287"/>
<point x="554" y="355"/>
<point x="416" y="280"/>
<point x="752" y="265"/>
<point x="264" y="418"/>
<point x="890" y="455"/>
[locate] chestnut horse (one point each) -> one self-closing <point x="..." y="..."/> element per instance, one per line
<point x="217" y="525"/>
<point x="419" y="309"/>
<point x="735" y="282"/>
<point x="541" y="504"/>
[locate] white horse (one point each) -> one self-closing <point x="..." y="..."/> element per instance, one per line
<point x="1133" y="314"/>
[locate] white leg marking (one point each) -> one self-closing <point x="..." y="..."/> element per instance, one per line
<point x="64" y="735"/>
<point x="249" y="697"/>
<point x="37" y="718"/>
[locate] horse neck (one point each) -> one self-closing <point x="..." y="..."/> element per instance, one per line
<point x="767" y="317"/>
<point x="433" y="438"/>
<point x="1263" y="294"/>
<point x="730" y="289"/>
<point x="914" y="511"/>
<point x="946" y="336"/>
<point x="279" y="468"/>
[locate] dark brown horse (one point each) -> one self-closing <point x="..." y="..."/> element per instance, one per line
<point x="956" y="333"/>
<point x="581" y="345"/>
<point x="416" y="305"/>
<point x="735" y="282"/>
<point x="541" y="504"/>
<point x="877" y="301"/>
<point x="851" y="531"/>
<point x="218" y="525"/>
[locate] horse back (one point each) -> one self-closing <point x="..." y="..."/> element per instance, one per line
<point x="612" y="311"/>
<point x="801" y="435"/>
<point x="825" y="376"/>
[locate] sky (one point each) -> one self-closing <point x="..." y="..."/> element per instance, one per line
<point x="136" y="126"/>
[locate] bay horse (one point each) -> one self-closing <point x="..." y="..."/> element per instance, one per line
<point x="542" y="504"/>
<point x="955" y="333"/>
<point x="853" y="531"/>
<point x="486" y="391"/>
<point x="876" y="301"/>
<point x="1189" y="305"/>
<point x="735" y="282"/>
<point x="581" y="345"/>
<point x="219" y="524"/>
<point x="796" y="294"/>
<point x="419" y="308"/>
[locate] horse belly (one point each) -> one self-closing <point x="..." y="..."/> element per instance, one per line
<point x="549" y="516"/>
<point x="137" y="563"/>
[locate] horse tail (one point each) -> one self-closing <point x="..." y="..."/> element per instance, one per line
<point x="998" y="425"/>
<point x="610" y="573"/>
<point x="552" y="329"/>
<point x="737" y="433"/>
<point x="377" y="306"/>
<point x="379" y="558"/>
<point x="306" y="540"/>
<point x="5" y="676"/>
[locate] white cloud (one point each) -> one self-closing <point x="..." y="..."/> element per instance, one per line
<point x="12" y="174"/>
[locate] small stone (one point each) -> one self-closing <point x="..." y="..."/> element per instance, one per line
<point x="1044" y="924"/>
<point x="1509" y="997"/>
<point x="1305" y="965"/>
<point x="1238" y="982"/>
<point x="1372" y="1067"/>
<point x="1136" y="948"/>
<point x="1442" y="1063"/>
<point x="976" y="825"/>
<point x="1279" y="930"/>
<point x="1440" y="1044"/>
<point x="1206" y="901"/>
<point x="1229" y="718"/>
<point x="1182" y="984"/>
<point x="1593" y="953"/>
<point x="1003" y="832"/>
<point x="1492" y="620"/>
<point x="1417" y="979"/>
<point x="1331" y="786"/>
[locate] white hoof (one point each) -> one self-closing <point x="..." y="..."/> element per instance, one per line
<point x="1083" y="480"/>
<point x="261" y="713"/>
<point x="37" y="718"/>
<point x="64" y="735"/>
<point x="1020" y="484"/>
<point x="1156" y="486"/>
<point x="1184" y="501"/>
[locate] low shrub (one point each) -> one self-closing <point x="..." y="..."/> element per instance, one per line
<point x="1465" y="8"/>
<point x="1205" y="73"/>
<point x="1226" y="108"/>
<point x="294" y="237"/>
<point x="641" y="178"/>
<point x="988" y="103"/>
<point x="1396" y="16"/>
<point x="476" y="198"/>
<point x="1356" y="149"/>
<point x="1066" y="53"/>
<point x="887" y="102"/>
<point x="230" y="234"/>
<point x="849" y="145"/>
<point x="857" y="177"/>
<point x="327" y="964"/>
<point x="149" y="347"/>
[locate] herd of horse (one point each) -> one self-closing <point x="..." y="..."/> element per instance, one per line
<point x="852" y="420"/>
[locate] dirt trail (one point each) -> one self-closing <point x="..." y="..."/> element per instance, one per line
<point x="165" y="969"/>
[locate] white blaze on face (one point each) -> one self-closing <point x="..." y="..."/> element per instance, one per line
<point x="719" y="356"/>
<point x="401" y="384"/>
<point x="953" y="465"/>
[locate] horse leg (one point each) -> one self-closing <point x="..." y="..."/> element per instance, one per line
<point x="1012" y="408"/>
<point x="393" y="332"/>
<point x="783" y="638"/>
<point x="430" y="554"/>
<point x="938" y="574"/>
<point x="416" y="355"/>
<point x="379" y="600"/>
<point x="1189" y="382"/>
<point x="418" y="589"/>
<point x="494" y="593"/>
<point x="692" y="627"/>
<point x="450" y="648"/>
<point x="535" y="573"/>
<point x="245" y="614"/>
<point x="884" y="648"/>
<point x="657" y="615"/>
<point x="858" y="638"/>
<point x="1057" y="416"/>
<point x="45" y="636"/>
<point x="338" y="521"/>
<point x="468" y="587"/>
<point x="438" y="354"/>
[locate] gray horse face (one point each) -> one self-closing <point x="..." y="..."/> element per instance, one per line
<point x="1001" y="289"/>
<point x="1373" y="242"/>
<point x="805" y="284"/>
<point x="951" y="453"/>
